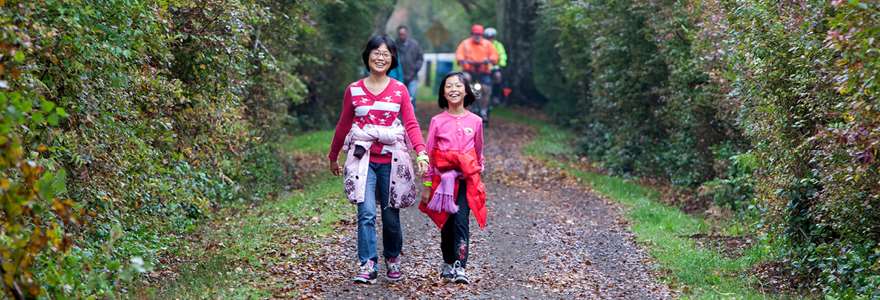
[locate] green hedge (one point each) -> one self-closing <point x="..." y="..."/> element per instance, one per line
<point x="632" y="84"/>
<point x="337" y="57"/>
<point x="759" y="103"/>
<point x="807" y="78"/>
<point x="125" y="123"/>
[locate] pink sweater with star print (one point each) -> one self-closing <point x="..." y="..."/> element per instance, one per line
<point x="361" y="107"/>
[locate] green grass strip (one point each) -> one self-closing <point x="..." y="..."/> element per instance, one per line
<point x="255" y="231"/>
<point x="315" y="142"/>
<point x="698" y="273"/>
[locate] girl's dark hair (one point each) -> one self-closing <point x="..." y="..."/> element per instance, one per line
<point x="374" y="43"/>
<point x="468" y="93"/>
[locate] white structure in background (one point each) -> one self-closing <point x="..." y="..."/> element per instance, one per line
<point x="434" y="58"/>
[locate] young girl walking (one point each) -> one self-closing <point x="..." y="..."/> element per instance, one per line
<point x="376" y="128"/>
<point x="453" y="187"/>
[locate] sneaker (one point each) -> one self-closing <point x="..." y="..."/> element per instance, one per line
<point x="393" y="265"/>
<point x="460" y="274"/>
<point x="367" y="273"/>
<point x="446" y="272"/>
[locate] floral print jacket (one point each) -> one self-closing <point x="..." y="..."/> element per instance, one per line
<point x="403" y="192"/>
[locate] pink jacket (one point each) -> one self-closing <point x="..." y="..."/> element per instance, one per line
<point x="458" y="133"/>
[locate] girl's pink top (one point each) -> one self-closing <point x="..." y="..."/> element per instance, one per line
<point x="458" y="133"/>
<point x="362" y="107"/>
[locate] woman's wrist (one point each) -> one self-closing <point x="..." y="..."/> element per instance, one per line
<point x="422" y="157"/>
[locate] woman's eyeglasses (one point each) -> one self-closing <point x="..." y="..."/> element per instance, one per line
<point x="377" y="54"/>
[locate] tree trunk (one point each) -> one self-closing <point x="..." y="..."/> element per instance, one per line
<point x="519" y="22"/>
<point x="382" y="16"/>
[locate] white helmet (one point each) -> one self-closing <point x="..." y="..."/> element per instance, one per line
<point x="490" y="33"/>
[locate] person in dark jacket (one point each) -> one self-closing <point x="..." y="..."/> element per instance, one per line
<point x="412" y="57"/>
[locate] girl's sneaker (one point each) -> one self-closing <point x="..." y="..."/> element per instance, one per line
<point x="446" y="272"/>
<point x="459" y="273"/>
<point x="393" y="265"/>
<point x="367" y="273"/>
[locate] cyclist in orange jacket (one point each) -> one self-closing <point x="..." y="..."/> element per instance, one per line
<point x="476" y="56"/>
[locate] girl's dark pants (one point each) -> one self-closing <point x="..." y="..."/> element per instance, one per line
<point x="455" y="235"/>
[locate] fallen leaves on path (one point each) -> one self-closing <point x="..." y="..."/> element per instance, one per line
<point x="547" y="237"/>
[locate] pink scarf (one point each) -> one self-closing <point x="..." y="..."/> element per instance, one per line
<point x="444" y="197"/>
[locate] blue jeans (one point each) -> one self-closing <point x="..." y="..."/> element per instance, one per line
<point x="412" y="87"/>
<point x="378" y="186"/>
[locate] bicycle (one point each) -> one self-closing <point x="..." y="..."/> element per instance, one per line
<point x="481" y="84"/>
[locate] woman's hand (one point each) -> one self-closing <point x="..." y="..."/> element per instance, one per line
<point x="334" y="168"/>
<point x="422" y="163"/>
<point x="423" y="167"/>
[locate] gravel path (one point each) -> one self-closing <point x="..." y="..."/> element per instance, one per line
<point x="547" y="237"/>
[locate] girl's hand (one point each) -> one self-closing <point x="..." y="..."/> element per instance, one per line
<point x="426" y="195"/>
<point x="334" y="168"/>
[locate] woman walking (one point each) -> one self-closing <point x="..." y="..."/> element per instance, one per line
<point x="378" y="165"/>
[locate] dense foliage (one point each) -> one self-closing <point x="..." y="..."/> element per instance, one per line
<point x="336" y="54"/>
<point x="126" y="122"/>
<point x="756" y="102"/>
<point x="808" y="77"/>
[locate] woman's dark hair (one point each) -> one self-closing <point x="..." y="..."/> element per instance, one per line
<point x="375" y="42"/>
<point x="469" y="96"/>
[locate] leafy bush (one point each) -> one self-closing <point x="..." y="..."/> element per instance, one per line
<point x="126" y="122"/>
<point x="735" y="186"/>
<point x="561" y="64"/>
<point x="644" y="100"/>
<point x="35" y="220"/>
<point x="756" y="101"/>
<point x="337" y="60"/>
<point x="618" y="79"/>
<point x="807" y="76"/>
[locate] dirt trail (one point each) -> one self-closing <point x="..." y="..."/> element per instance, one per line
<point x="547" y="237"/>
